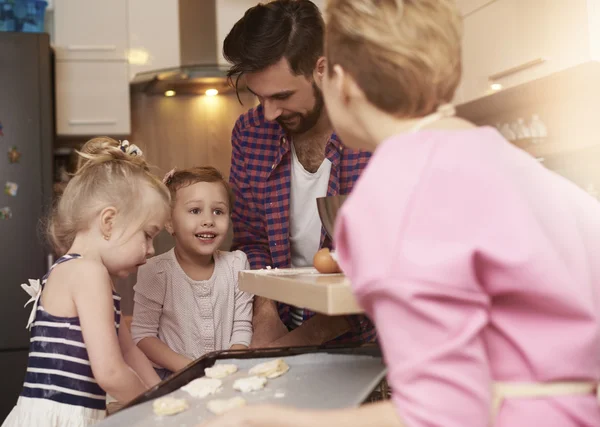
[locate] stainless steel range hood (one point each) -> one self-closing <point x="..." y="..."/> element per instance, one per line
<point x="199" y="69"/>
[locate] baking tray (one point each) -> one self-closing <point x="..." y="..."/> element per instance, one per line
<point x="326" y="377"/>
<point x="329" y="294"/>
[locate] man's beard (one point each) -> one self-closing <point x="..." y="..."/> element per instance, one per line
<point x="305" y="121"/>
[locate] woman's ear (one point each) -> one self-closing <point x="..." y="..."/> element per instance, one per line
<point x="107" y="220"/>
<point x="345" y="85"/>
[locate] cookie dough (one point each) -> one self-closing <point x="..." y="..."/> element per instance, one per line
<point x="169" y="406"/>
<point x="203" y="387"/>
<point x="246" y="385"/>
<point x="219" y="406"/>
<point x="270" y="369"/>
<point x="220" y="371"/>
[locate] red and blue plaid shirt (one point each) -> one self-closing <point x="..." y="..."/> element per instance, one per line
<point x="260" y="178"/>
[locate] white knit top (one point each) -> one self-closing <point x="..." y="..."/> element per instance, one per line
<point x="192" y="317"/>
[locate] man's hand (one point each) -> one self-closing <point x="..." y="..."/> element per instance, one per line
<point x="266" y="323"/>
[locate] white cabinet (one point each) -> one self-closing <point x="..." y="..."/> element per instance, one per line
<point x="92" y="98"/>
<point x="510" y="42"/>
<point x="153" y="35"/>
<point x="90" y="29"/>
<point x="92" y="77"/>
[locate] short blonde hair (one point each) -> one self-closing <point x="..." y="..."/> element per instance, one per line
<point x="106" y="176"/>
<point x="404" y="54"/>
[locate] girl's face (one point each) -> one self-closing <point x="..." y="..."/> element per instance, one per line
<point x="130" y="245"/>
<point x="200" y="218"/>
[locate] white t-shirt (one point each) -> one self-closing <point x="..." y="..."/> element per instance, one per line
<point x="305" y="224"/>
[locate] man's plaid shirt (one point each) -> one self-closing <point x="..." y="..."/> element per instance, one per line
<point x="260" y="178"/>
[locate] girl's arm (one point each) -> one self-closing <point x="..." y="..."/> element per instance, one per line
<point x="241" y="333"/>
<point x="147" y="310"/>
<point x="161" y="354"/>
<point x="135" y="358"/>
<point x="95" y="308"/>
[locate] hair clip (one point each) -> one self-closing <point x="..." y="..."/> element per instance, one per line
<point x="131" y="149"/>
<point x="169" y="176"/>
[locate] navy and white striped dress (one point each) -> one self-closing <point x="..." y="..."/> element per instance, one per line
<point x="59" y="368"/>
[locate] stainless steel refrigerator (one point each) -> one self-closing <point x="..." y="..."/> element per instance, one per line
<point x="26" y="139"/>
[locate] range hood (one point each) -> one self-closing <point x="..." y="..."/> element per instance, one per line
<point x="199" y="68"/>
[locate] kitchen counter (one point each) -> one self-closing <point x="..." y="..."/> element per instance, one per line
<point x="329" y="294"/>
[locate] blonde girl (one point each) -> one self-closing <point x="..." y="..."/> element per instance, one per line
<point x="103" y="225"/>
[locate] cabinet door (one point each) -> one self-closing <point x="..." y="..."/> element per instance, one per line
<point x="90" y="29"/>
<point x="153" y="35"/>
<point x="490" y="45"/>
<point x="92" y="98"/>
<point x="510" y="42"/>
<point x="555" y="35"/>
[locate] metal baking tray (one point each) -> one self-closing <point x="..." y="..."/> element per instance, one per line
<point x="326" y="377"/>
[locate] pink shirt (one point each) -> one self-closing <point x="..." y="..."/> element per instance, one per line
<point x="477" y="264"/>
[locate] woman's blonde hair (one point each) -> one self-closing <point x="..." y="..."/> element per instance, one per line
<point x="404" y="54"/>
<point x="107" y="174"/>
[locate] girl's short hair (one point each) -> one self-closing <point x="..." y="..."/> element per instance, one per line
<point x="177" y="179"/>
<point x="404" y="54"/>
<point x="109" y="173"/>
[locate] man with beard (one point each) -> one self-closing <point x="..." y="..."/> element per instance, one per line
<point x="284" y="156"/>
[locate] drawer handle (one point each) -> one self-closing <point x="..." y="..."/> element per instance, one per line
<point x="517" y="69"/>
<point x="92" y="48"/>
<point x="92" y="122"/>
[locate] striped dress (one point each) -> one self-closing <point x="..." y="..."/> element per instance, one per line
<point x="59" y="375"/>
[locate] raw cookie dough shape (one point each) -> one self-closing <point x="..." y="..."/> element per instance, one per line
<point x="169" y="406"/>
<point x="203" y="387"/>
<point x="220" y="371"/>
<point x="246" y="385"/>
<point x="271" y="369"/>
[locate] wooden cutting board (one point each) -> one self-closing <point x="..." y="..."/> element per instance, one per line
<point x="302" y="287"/>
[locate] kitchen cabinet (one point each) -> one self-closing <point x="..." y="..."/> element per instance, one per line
<point x="90" y="29"/>
<point x="153" y="35"/>
<point x="510" y="42"/>
<point x="92" y="98"/>
<point x="91" y="42"/>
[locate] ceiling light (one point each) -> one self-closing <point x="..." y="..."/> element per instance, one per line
<point x="170" y="93"/>
<point x="212" y="92"/>
<point x="496" y="86"/>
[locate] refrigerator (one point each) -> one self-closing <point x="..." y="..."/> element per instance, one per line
<point x="26" y="140"/>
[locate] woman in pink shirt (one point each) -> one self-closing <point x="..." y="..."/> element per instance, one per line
<point x="478" y="266"/>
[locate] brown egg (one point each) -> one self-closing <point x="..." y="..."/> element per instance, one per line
<point x="324" y="263"/>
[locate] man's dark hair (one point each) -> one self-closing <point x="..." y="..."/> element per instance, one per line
<point x="291" y="29"/>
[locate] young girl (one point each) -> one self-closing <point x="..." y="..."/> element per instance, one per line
<point x="104" y="223"/>
<point x="478" y="265"/>
<point x="187" y="302"/>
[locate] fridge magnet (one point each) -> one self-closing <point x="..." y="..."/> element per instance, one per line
<point x="11" y="188"/>
<point x="13" y="155"/>
<point x="5" y="213"/>
<point x="1" y="133"/>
